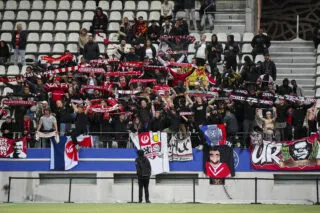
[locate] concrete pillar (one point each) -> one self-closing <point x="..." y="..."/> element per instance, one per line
<point x="251" y="16"/>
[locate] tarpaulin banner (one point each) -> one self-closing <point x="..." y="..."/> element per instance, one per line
<point x="180" y="148"/>
<point x="13" y="148"/>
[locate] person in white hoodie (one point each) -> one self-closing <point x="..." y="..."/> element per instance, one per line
<point x="201" y="47"/>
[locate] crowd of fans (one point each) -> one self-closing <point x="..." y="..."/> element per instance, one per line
<point x="144" y="88"/>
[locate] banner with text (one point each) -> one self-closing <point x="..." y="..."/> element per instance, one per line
<point x="13" y="148"/>
<point x="180" y="148"/>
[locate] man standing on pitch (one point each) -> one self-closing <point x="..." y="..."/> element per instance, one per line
<point x="144" y="172"/>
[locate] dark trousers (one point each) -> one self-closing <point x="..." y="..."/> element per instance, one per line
<point x="143" y="183"/>
<point x="200" y="61"/>
<point x="162" y="19"/>
<point x="257" y="50"/>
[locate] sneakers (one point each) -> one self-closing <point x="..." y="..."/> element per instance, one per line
<point x="148" y="201"/>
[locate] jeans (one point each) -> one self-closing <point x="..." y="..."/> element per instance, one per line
<point x="64" y="128"/>
<point x="18" y="53"/>
<point x="192" y="13"/>
<point x="143" y="183"/>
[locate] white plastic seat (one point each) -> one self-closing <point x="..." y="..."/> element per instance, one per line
<point x="60" y="26"/>
<point x="7" y="25"/>
<point x="237" y="37"/>
<point x="48" y="16"/>
<point x="143" y="5"/>
<point x="46" y="37"/>
<point x="33" y="37"/>
<point x="60" y="37"/>
<point x="115" y="16"/>
<point x="22" y="15"/>
<point x="90" y="5"/>
<point x="129" y="5"/>
<point x="8" y="15"/>
<point x="2" y="70"/>
<point x="259" y="58"/>
<point x="113" y="26"/>
<point x="13" y="70"/>
<point x="35" y="16"/>
<point x="75" y="16"/>
<point x="11" y="5"/>
<point x="246" y="48"/>
<point x="155" y="5"/>
<point x="34" y="26"/>
<point x="86" y="25"/>
<point x="51" y="5"/>
<point x="143" y="14"/>
<point x="191" y="48"/>
<point x="23" y="70"/>
<point x="100" y="38"/>
<point x="77" y="5"/>
<point x="247" y="37"/>
<point x="102" y="48"/>
<point x="73" y="48"/>
<point x="37" y="5"/>
<point x="0" y="16"/>
<point x="222" y="37"/>
<point x="1" y="5"/>
<point x="31" y="57"/>
<point x="58" y="48"/>
<point x="23" y="24"/>
<point x="154" y="16"/>
<point x="64" y="5"/>
<point x="74" y="26"/>
<point x="128" y="14"/>
<point x="6" y="37"/>
<point x="104" y="5"/>
<point x="24" y="5"/>
<point x="116" y="5"/>
<point x="73" y="37"/>
<point x="114" y="37"/>
<point x="190" y="57"/>
<point x="88" y="16"/>
<point x="47" y="26"/>
<point x="196" y="36"/>
<point x="208" y="36"/>
<point x="44" y="48"/>
<point x="62" y="16"/>
<point x="31" y="48"/>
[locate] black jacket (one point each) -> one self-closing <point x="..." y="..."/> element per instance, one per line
<point x="22" y="40"/>
<point x="4" y="51"/>
<point x="9" y="127"/>
<point x="260" y="41"/>
<point x="143" y="166"/>
<point x="214" y="55"/>
<point x="97" y="22"/>
<point x="91" y="51"/>
<point x="271" y="68"/>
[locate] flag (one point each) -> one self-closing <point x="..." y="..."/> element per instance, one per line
<point x="180" y="149"/>
<point x="215" y="134"/>
<point x="154" y="145"/>
<point x="13" y="148"/>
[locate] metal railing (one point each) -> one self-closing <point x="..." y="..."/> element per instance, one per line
<point x="194" y="198"/>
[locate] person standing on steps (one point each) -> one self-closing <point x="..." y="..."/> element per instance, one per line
<point x="143" y="168"/>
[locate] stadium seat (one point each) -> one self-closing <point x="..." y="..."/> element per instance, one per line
<point x="2" y="70"/>
<point x="0" y="16"/>
<point x="191" y="48"/>
<point x="104" y="5"/>
<point x="22" y="15"/>
<point x="31" y="48"/>
<point x="318" y="82"/>
<point x="73" y="37"/>
<point x="237" y="37"/>
<point x="24" y="5"/>
<point x="30" y="57"/>
<point x="181" y="14"/>
<point x="51" y="5"/>
<point x="247" y="37"/>
<point x="6" y="37"/>
<point x="60" y="26"/>
<point x="1" y="5"/>
<point x="23" y="24"/>
<point x="48" y="16"/>
<point x="34" y="26"/>
<point x="64" y="5"/>
<point x="6" y="90"/>
<point x="46" y="37"/>
<point x="13" y="70"/>
<point x="190" y="57"/>
<point x="88" y="16"/>
<point x="86" y="25"/>
<point x="128" y="14"/>
<point x="143" y="5"/>
<point x="222" y="37"/>
<point x="196" y="36"/>
<point x="115" y="16"/>
<point x="116" y="5"/>
<point x="259" y="58"/>
<point x="318" y="96"/>
<point x="318" y="60"/>
<point x="44" y="48"/>
<point x="8" y="15"/>
<point x="90" y="5"/>
<point x="129" y="5"/>
<point x="101" y="48"/>
<point x="58" y="48"/>
<point x="37" y="5"/>
<point x="47" y="26"/>
<point x="73" y="48"/>
<point x="143" y="14"/>
<point x="7" y="25"/>
<point x="75" y="16"/>
<point x="154" y="16"/>
<point x="77" y="5"/>
<point x="11" y="5"/>
<point x="33" y="37"/>
<point x="113" y="26"/>
<point x="208" y="36"/>
<point x="60" y="37"/>
<point x="114" y="37"/>
<point x="23" y="69"/>
<point x="155" y="5"/>
<point x="74" y="26"/>
<point x="246" y="48"/>
<point x="100" y="38"/>
<point x="35" y="16"/>
<point x="62" y="16"/>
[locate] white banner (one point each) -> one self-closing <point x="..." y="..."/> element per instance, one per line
<point x="180" y="149"/>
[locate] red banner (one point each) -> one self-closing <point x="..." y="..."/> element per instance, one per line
<point x="297" y="155"/>
<point x="19" y="103"/>
<point x="13" y="148"/>
<point x="120" y="73"/>
<point x="49" y="87"/>
<point x="143" y="81"/>
<point x="92" y="70"/>
<point x="64" y="57"/>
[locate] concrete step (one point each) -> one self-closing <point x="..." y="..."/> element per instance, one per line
<point x="309" y="93"/>
<point x="296" y="65"/>
<point x="239" y="28"/>
<point x="301" y="82"/>
<point x="294" y="42"/>
<point x="275" y="48"/>
<point x="297" y="76"/>
<point x="231" y="4"/>
<point x="229" y="16"/>
<point x="292" y="54"/>
<point x="292" y="70"/>
<point x="230" y="21"/>
<point x="296" y="59"/>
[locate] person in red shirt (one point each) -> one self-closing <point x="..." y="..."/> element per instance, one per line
<point x="215" y="168"/>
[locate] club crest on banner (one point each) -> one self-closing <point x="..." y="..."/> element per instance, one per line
<point x="150" y="143"/>
<point x="70" y="151"/>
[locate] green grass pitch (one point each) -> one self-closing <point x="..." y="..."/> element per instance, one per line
<point x="154" y="208"/>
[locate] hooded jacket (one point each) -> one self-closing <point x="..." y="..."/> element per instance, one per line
<point x="143" y="166"/>
<point x="212" y="55"/>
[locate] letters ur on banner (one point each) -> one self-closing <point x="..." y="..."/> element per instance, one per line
<point x="13" y="148"/>
<point x="296" y="155"/>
